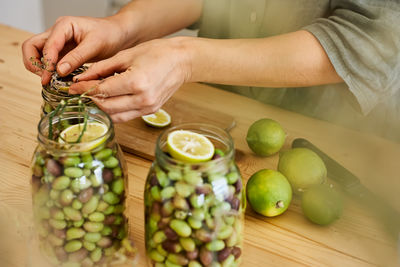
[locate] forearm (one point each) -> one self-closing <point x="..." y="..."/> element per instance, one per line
<point x="290" y="60"/>
<point x="143" y="20"/>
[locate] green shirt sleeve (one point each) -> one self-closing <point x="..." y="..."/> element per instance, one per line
<point x="362" y="40"/>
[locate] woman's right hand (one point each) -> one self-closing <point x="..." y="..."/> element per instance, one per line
<point x="73" y="41"/>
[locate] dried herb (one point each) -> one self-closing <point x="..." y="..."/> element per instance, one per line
<point x="60" y="110"/>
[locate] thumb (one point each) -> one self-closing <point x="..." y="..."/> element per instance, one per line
<point x="77" y="57"/>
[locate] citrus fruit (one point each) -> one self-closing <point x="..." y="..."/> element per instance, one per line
<point x="269" y="192"/>
<point x="302" y="167"/>
<point x="189" y="146"/>
<point x="92" y="137"/>
<point x="322" y="204"/>
<point x="265" y="137"/>
<point x="159" y="119"/>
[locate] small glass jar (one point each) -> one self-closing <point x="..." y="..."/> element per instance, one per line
<point x="194" y="212"/>
<point x="57" y="90"/>
<point x="79" y="195"/>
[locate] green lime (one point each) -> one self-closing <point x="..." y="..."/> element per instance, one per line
<point x="322" y="204"/>
<point x="265" y="137"/>
<point x="269" y="193"/>
<point x="302" y="167"/>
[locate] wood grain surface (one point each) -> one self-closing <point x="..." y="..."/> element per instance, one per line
<point x="357" y="239"/>
<point x="140" y="139"/>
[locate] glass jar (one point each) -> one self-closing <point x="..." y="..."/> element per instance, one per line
<point x="194" y="212"/>
<point x="57" y="90"/>
<point x="79" y="195"/>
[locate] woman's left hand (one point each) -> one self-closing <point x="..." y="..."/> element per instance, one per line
<point x="147" y="76"/>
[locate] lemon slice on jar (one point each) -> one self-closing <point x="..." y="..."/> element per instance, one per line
<point x="189" y="146"/>
<point x="159" y="119"/>
<point x="93" y="135"/>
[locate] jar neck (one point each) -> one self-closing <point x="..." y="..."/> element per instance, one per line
<point x="54" y="96"/>
<point x="57" y="89"/>
<point x="219" y="137"/>
<point x="73" y="115"/>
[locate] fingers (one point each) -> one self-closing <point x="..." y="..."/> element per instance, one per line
<point x="118" y="104"/>
<point x="60" y="34"/>
<point x="104" y="68"/>
<point x="76" y="57"/>
<point x="116" y="85"/>
<point x="31" y="50"/>
<point x="82" y="87"/>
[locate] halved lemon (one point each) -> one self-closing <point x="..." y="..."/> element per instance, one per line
<point x="189" y="146"/>
<point x="159" y="119"/>
<point x="91" y="136"/>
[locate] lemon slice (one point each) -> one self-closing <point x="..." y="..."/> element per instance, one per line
<point x="159" y="119"/>
<point x="91" y="137"/>
<point x="189" y="146"/>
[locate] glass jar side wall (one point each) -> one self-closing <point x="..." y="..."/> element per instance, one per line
<point x="79" y="201"/>
<point x="194" y="212"/>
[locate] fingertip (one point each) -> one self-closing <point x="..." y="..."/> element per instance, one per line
<point x="82" y="87"/>
<point x="64" y="68"/>
<point x="74" y="89"/>
<point x="80" y="77"/>
<point x="86" y="76"/>
<point x="116" y="119"/>
<point x="46" y="76"/>
<point x="125" y="116"/>
<point x="76" y="78"/>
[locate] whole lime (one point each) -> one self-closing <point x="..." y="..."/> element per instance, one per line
<point x="269" y="192"/>
<point x="265" y="137"/>
<point x="303" y="168"/>
<point x="322" y="204"/>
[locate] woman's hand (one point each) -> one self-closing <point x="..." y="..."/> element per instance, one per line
<point x="71" y="42"/>
<point x="148" y="75"/>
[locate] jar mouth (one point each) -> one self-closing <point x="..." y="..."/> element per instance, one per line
<point x="57" y="89"/>
<point x="74" y="114"/>
<point x="214" y="133"/>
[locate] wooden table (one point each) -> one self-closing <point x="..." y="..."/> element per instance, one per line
<point x="357" y="239"/>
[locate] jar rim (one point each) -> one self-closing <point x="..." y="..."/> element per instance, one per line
<point x="51" y="95"/>
<point x="209" y="128"/>
<point x="92" y="112"/>
<point x="48" y="91"/>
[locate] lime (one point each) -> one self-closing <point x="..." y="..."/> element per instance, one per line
<point x="92" y="137"/>
<point x="265" y="137"/>
<point x="189" y="146"/>
<point x="322" y="204"/>
<point x="269" y="192"/>
<point x="159" y="119"/>
<point x="302" y="167"/>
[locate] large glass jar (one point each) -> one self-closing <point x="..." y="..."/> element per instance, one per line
<point x="79" y="195"/>
<point x="57" y="90"/>
<point x="194" y="212"/>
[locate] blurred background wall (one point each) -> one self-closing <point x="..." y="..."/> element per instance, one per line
<point x="37" y="15"/>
